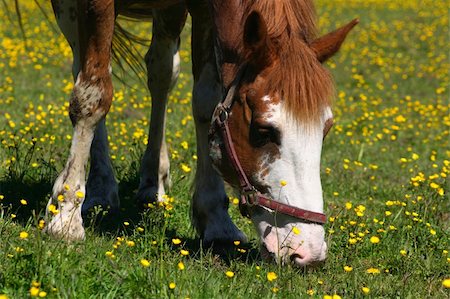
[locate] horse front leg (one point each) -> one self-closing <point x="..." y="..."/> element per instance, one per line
<point x="163" y="65"/>
<point x="210" y="203"/>
<point x="89" y="104"/>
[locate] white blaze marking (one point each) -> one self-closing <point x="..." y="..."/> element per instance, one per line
<point x="298" y="165"/>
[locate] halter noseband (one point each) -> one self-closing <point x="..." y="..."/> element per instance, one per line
<point x="250" y="196"/>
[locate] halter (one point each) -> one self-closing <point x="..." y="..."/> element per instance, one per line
<point x="250" y="196"/>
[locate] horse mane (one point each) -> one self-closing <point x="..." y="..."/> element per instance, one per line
<point x="305" y="85"/>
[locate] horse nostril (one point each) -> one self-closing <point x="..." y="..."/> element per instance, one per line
<point x="297" y="259"/>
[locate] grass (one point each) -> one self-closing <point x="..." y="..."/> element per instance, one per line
<point x="385" y="173"/>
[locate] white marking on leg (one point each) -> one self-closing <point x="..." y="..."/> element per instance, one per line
<point x="67" y="223"/>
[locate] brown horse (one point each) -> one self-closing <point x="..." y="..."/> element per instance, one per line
<point x="266" y="134"/>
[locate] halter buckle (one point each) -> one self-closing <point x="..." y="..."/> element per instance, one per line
<point x="249" y="194"/>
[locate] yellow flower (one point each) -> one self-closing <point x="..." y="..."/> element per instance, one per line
<point x="34" y="291"/>
<point x="283" y="183"/>
<point x="446" y="283"/>
<point x="23" y="235"/>
<point x="60" y="198"/>
<point x="295" y="230"/>
<point x="348" y="205"/>
<point x="373" y="271"/>
<point x="403" y="252"/>
<point x="374" y="240"/>
<point x="185" y="168"/>
<point x="176" y="241"/>
<point x="42" y="294"/>
<point x="184" y="252"/>
<point x="237" y="242"/>
<point x="52" y="208"/>
<point x="145" y="262"/>
<point x="79" y="194"/>
<point x="348" y="268"/>
<point x="131" y="243"/>
<point x="23" y="202"/>
<point x="172" y="285"/>
<point x="365" y="290"/>
<point x="181" y="266"/>
<point x="310" y="292"/>
<point x="271" y="276"/>
<point x="3" y="296"/>
<point x="229" y="274"/>
<point x="336" y="296"/>
<point x="41" y="224"/>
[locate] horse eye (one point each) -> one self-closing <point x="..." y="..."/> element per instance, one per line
<point x="262" y="133"/>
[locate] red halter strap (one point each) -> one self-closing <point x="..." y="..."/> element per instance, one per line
<point x="250" y="197"/>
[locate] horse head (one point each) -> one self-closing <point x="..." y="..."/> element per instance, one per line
<point x="273" y="122"/>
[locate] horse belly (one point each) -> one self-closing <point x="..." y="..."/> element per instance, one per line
<point x="141" y="8"/>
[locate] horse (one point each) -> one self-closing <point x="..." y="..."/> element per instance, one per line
<point x="261" y="104"/>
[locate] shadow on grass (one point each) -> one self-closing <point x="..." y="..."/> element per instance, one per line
<point x="115" y="223"/>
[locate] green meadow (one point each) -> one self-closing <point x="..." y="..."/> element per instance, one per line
<point x="385" y="168"/>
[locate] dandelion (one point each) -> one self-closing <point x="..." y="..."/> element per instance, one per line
<point x="283" y="183"/>
<point x="348" y="205"/>
<point x="34" y="291"/>
<point x="41" y="224"/>
<point x="42" y="294"/>
<point x="176" y="241"/>
<point x="185" y="168"/>
<point x="145" y="263"/>
<point x="373" y="271"/>
<point x="3" y="296"/>
<point x="131" y="243"/>
<point x="348" y="268"/>
<point x="229" y="274"/>
<point x="271" y="276"/>
<point x="275" y="290"/>
<point x="52" y="209"/>
<point x="60" y="198"/>
<point x="79" y="194"/>
<point x="374" y="240"/>
<point x="23" y="202"/>
<point x="295" y="230"/>
<point x="184" y="252"/>
<point x="365" y="290"/>
<point x="403" y="252"/>
<point x="181" y="266"/>
<point x="446" y="283"/>
<point x="172" y="285"/>
<point x="310" y="292"/>
<point x="23" y="235"/>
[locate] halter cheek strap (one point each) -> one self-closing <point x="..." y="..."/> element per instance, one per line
<point x="250" y="197"/>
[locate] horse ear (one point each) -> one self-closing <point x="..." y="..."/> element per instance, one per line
<point x="327" y="45"/>
<point x="256" y="41"/>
